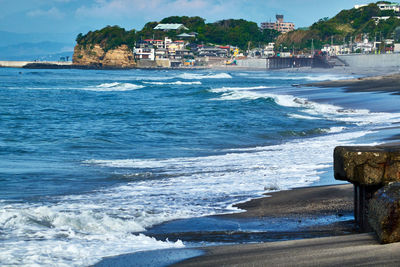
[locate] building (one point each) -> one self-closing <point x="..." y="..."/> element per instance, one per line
<point x="360" y="6"/>
<point x="378" y="19"/>
<point x="186" y="35"/>
<point x="212" y="52"/>
<point x="392" y="6"/>
<point x="144" y="53"/>
<point x="170" y="26"/>
<point x="279" y="25"/>
<point x="155" y="43"/>
<point x="269" y="50"/>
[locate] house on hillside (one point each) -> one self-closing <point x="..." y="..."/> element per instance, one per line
<point x="144" y="53"/>
<point x="389" y="6"/>
<point x="155" y="43"/>
<point x="170" y="26"/>
<point x="186" y="35"/>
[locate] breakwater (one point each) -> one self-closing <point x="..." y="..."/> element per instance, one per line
<point x="21" y="64"/>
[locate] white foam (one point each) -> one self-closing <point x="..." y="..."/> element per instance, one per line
<point x="197" y="76"/>
<point x="336" y="129"/>
<point x="71" y="234"/>
<point x="310" y="77"/>
<point x="358" y="117"/>
<point x="80" y="229"/>
<point x="115" y="86"/>
<point x="303" y="117"/>
<point x="175" y="83"/>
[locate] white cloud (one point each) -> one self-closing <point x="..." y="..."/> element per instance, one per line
<point x="50" y="13"/>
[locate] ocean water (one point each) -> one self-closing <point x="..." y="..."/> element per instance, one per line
<point x="89" y="159"/>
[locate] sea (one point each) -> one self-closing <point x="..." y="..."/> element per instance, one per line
<point x="91" y="159"/>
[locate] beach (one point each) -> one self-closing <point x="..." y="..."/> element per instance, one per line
<point x="381" y="83"/>
<point x="345" y="246"/>
<point x="150" y="168"/>
<point x="333" y="243"/>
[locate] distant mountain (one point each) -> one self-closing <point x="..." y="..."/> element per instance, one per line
<point x="12" y="38"/>
<point x="36" y="51"/>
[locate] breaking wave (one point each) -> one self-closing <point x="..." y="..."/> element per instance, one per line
<point x="115" y="86"/>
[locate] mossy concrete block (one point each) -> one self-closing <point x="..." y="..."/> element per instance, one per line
<point x="367" y="165"/>
<point x="384" y="213"/>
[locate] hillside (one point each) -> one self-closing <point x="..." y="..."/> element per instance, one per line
<point x="348" y="24"/>
<point x="239" y="33"/>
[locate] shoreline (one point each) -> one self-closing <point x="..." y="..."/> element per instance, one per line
<point x="297" y="214"/>
<point x="349" y="250"/>
<point x="364" y="72"/>
<point x="303" y="244"/>
<point x="379" y="83"/>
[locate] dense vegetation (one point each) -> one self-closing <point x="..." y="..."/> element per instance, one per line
<point x="349" y="24"/>
<point x="352" y="24"/>
<point x="239" y="33"/>
<point x="108" y="38"/>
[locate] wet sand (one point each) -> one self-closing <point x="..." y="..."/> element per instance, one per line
<point x="298" y="214"/>
<point x="382" y="83"/>
<point x="339" y="249"/>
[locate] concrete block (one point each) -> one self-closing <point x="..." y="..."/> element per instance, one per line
<point x="384" y="213"/>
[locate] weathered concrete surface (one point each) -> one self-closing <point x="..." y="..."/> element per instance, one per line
<point x="384" y="213"/>
<point x="367" y="165"/>
<point x="372" y="60"/>
<point x="369" y="168"/>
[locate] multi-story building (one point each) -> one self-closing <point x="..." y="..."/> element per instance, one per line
<point x="279" y="25"/>
<point x="144" y="53"/>
<point x="155" y="43"/>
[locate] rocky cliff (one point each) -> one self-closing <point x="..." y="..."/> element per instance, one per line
<point x="95" y="55"/>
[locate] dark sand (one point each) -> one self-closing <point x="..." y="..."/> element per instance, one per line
<point x="348" y="250"/>
<point x="384" y="83"/>
<point x="300" y="202"/>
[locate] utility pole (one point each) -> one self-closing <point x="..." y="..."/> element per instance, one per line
<point x="312" y="47"/>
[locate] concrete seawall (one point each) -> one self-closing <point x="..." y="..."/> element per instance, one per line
<point x="257" y="63"/>
<point x="21" y="64"/>
<point x="372" y="60"/>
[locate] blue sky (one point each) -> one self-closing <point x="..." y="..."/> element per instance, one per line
<point x="70" y="17"/>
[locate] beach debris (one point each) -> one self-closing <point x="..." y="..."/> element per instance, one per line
<point x="384" y="213"/>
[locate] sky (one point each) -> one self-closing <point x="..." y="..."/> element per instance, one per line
<point x="67" y="18"/>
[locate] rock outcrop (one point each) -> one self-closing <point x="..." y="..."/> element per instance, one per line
<point x="384" y="213"/>
<point x="96" y="56"/>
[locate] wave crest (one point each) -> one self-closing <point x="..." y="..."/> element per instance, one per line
<point x="115" y="86"/>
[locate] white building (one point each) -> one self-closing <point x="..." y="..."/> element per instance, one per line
<point x="269" y="50"/>
<point x="378" y="19"/>
<point x="365" y="47"/>
<point x="170" y="26"/>
<point x="144" y="53"/>
<point x="360" y="6"/>
<point x="392" y="6"/>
